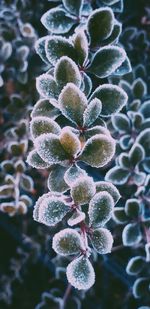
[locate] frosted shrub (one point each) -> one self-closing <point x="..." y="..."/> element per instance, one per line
<point x="69" y="131"/>
<point x="131" y="175"/>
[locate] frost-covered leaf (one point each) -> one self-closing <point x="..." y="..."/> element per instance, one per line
<point x="113" y="98"/>
<point x="26" y="183"/>
<point x="77" y="217"/>
<point x="6" y="191"/>
<point x="73" y="6"/>
<point x="139" y="88"/>
<point x="20" y="166"/>
<point x="96" y="130"/>
<point x="44" y="108"/>
<point x="8" y="207"/>
<point x="67" y="242"/>
<point x="49" y="148"/>
<point x="110" y="188"/>
<point x="7" y="166"/>
<point x="100" y="25"/>
<point x="35" y="160"/>
<point x="144" y="140"/>
<point x="57" y="47"/>
<point x="102" y="240"/>
<point x="110" y="2"/>
<point x="80" y="273"/>
<point x="133" y="208"/>
<point x="136" y="154"/>
<point x="98" y="150"/>
<point x="73" y="174"/>
<point x="86" y="84"/>
<point x="55" y="180"/>
<point x="113" y="38"/>
<point x="73" y="103"/>
<point x="40" y="48"/>
<point x="50" y="210"/>
<point x="145" y="109"/>
<point x="40" y="125"/>
<point x="141" y="287"/>
<point x="131" y="235"/>
<point x="66" y="71"/>
<point x="83" y="190"/>
<point x="46" y="86"/>
<point x="57" y="21"/>
<point x="107" y="60"/>
<point x="125" y="68"/>
<point x="100" y="209"/>
<point x="70" y="142"/>
<point x="121" y="122"/>
<point x="117" y="175"/>
<point x="119" y="215"/>
<point x="135" y="265"/>
<point x="126" y="141"/>
<point x="92" y="112"/>
<point x="81" y="46"/>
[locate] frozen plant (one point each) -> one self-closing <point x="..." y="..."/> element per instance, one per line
<point x="69" y="130"/>
<point x="131" y="175"/>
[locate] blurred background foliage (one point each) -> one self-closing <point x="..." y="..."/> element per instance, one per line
<point x="29" y="277"/>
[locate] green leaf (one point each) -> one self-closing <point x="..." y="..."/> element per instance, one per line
<point x="83" y="190"/>
<point x="133" y="208"/>
<point x="26" y="183"/>
<point x="73" y="6"/>
<point x="100" y="209"/>
<point x="73" y="174"/>
<point x="66" y="71"/>
<point x="98" y="150"/>
<point x="40" y="125"/>
<point x="92" y="112"/>
<point x="57" y="21"/>
<point x="121" y="122"/>
<point x="100" y="25"/>
<point x="117" y="175"/>
<point x="50" y="209"/>
<point x="46" y="86"/>
<point x="110" y="188"/>
<point x="67" y="242"/>
<point x="141" y="288"/>
<point x="113" y="98"/>
<point x="57" y="47"/>
<point x="139" y="88"/>
<point x="114" y="37"/>
<point x="135" y="265"/>
<point x="144" y="140"/>
<point x="40" y="48"/>
<point x="119" y="215"/>
<point x="49" y="148"/>
<point x="80" y="273"/>
<point x="136" y="154"/>
<point x="102" y="240"/>
<point x="86" y="84"/>
<point x="81" y="46"/>
<point x="131" y="235"/>
<point x="44" y="108"/>
<point x="106" y="61"/>
<point x="36" y="161"/>
<point x="56" y="181"/>
<point x="72" y="103"/>
<point x="70" y="142"/>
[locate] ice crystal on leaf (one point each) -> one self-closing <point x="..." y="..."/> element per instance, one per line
<point x="80" y="273"/>
<point x="100" y="209"/>
<point x="102" y="240"/>
<point x="67" y="242"/>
